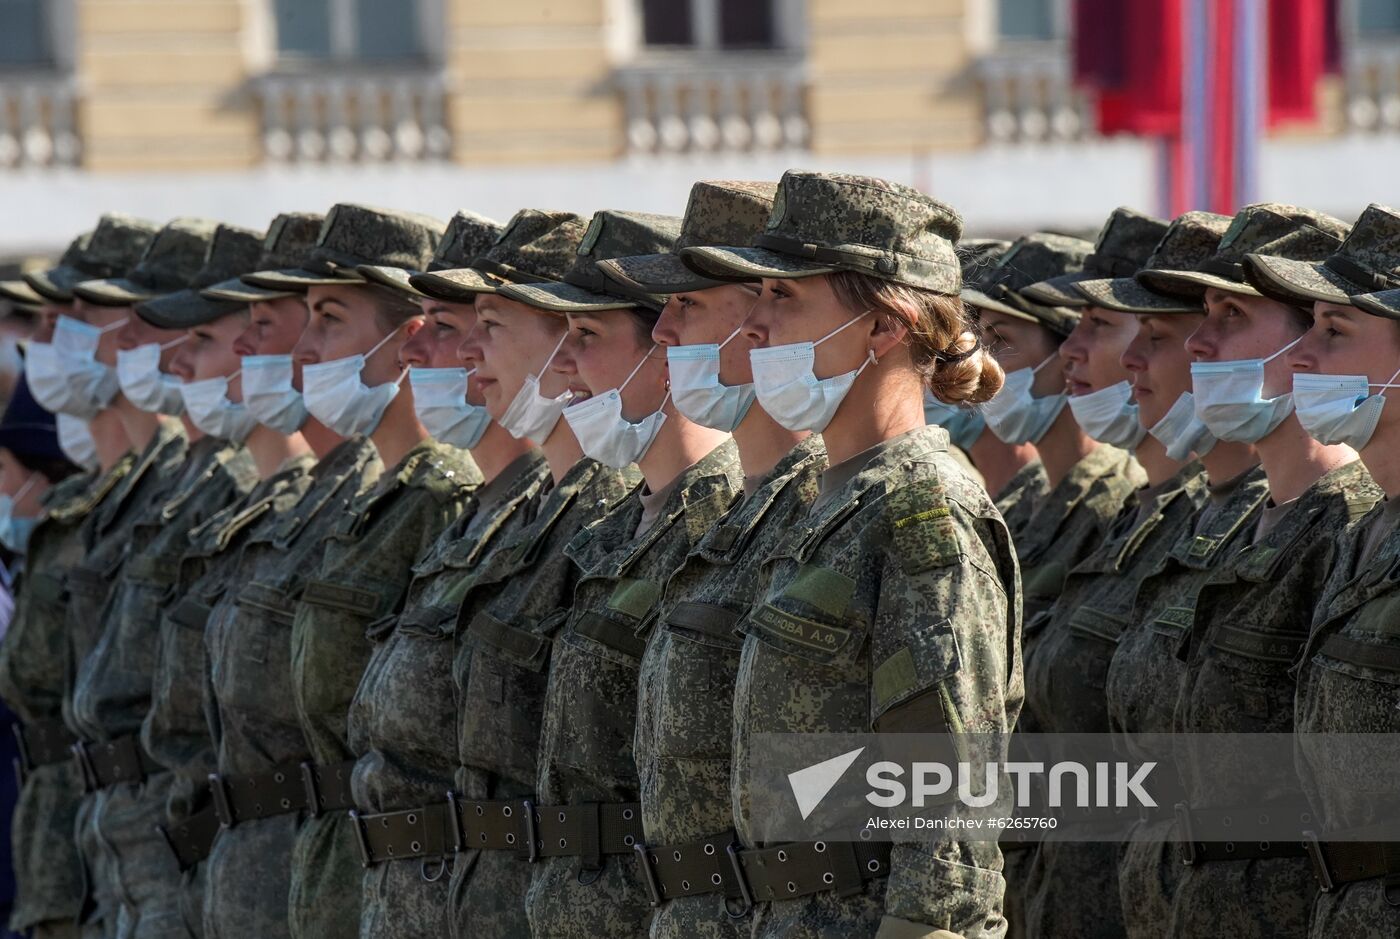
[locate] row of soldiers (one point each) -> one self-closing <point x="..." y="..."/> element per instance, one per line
<point x="439" y="579"/>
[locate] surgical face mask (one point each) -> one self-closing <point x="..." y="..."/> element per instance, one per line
<point x="789" y="390"/>
<point x="144" y="384"/>
<point x="212" y="411"/>
<point x="1339" y="408"/>
<point x="696" y="388"/>
<point x="1109" y="416"/>
<point x="65" y="376"/>
<point x="964" y="425"/>
<point x="1016" y="415"/>
<point x="75" y="440"/>
<point x="440" y="401"/>
<point x="269" y="395"/>
<point x="1229" y="398"/>
<point x="336" y="397"/>
<point x="1181" y="432"/>
<point x="15" y="529"/>
<point x="530" y="415"/>
<point x="608" y="437"/>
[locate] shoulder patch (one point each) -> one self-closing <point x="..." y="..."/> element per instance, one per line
<point x="922" y="532"/>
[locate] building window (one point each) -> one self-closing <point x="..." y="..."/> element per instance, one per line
<point x="1377" y="16"/>
<point x="349" y="30"/>
<point x="1029" y="19"/>
<point x="24" y="34"/>
<point x="712" y="25"/>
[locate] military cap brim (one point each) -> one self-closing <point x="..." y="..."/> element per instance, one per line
<point x="656" y="273"/>
<point x="18" y="291"/>
<point x="395" y="278"/>
<point x="55" y="284"/>
<point x="239" y="292"/>
<point x="1300" y="283"/>
<point x="185" y="309"/>
<point x="1383" y="303"/>
<point x="1059" y="320"/>
<point x="458" y="285"/>
<point x="300" y="280"/>
<point x="741" y="264"/>
<point x="1058" y="291"/>
<point x="566" y="298"/>
<point x="1126" y="295"/>
<point x="1192" y="283"/>
<point x="115" y="291"/>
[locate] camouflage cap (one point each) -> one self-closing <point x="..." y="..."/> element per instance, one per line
<point x="1030" y="260"/>
<point x="1190" y="240"/>
<point x="584" y="288"/>
<point x="720" y="212"/>
<point x="1123" y="247"/>
<point x="19" y="293"/>
<point x="290" y="237"/>
<point x="1367" y="262"/>
<point x="353" y="235"/>
<point x="173" y="257"/>
<point x="467" y="236"/>
<point x="232" y="251"/>
<point x="536" y="246"/>
<point x="1267" y="228"/>
<point x="827" y="222"/>
<point x="1383" y="303"/>
<point x="109" y="250"/>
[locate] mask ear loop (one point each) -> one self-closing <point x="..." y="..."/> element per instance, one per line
<point x="559" y="346"/>
<point x="102" y="330"/>
<point x="850" y="322"/>
<point x="174" y="342"/>
<point x="24" y="490"/>
<point x="1283" y="350"/>
<point x="737" y="330"/>
<point x="620" y="388"/>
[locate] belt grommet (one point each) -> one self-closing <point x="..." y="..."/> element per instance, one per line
<point x="506" y="811"/>
<point x="782" y="856"/>
<point x="676" y="855"/>
<point x="415" y="847"/>
<point x="628" y="840"/>
<point x="828" y="878"/>
<point x="819" y="847"/>
<point x="709" y="849"/>
<point x="563" y="842"/>
<point x="873" y="866"/>
<point x="685" y="885"/>
<point x="627" y="814"/>
<point x="792" y="887"/>
<point x="412" y="818"/>
<point x="510" y="838"/>
<point x="716" y="879"/>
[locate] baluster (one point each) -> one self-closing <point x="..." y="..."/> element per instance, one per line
<point x="671" y="127"/>
<point x="311" y="142"/>
<point x="642" y="136"/>
<point x="433" y="117"/>
<point x="35" y="144"/>
<point x="734" y="129"/>
<point x="792" y="92"/>
<point x="408" y="135"/>
<point x="767" y="129"/>
<point x="9" y="139"/>
<point x="341" y="138"/>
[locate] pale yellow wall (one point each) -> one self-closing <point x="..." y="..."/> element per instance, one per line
<point x="529" y="81"/>
<point x="890" y="76"/>
<point x="163" y="85"/>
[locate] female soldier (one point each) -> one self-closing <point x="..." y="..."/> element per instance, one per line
<point x="893" y="606"/>
<point x="587" y="788"/>
<point x="1349" y="685"/>
<point x="403" y="718"/>
<point x="1145" y="674"/>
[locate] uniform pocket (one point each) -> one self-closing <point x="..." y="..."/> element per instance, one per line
<point x="698" y="657"/>
<point x="259" y="651"/>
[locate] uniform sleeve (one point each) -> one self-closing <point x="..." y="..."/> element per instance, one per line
<point x="944" y="659"/>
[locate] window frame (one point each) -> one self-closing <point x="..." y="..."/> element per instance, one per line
<point x="344" y="39"/>
<point x="705" y="28"/>
<point x="1060" y="15"/>
<point x="59" y="22"/>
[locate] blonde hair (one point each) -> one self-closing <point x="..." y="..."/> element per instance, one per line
<point x="943" y="336"/>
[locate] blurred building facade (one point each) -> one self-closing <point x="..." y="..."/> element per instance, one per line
<point x="240" y="108"/>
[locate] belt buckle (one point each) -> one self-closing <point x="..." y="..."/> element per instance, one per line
<point x="732" y="852"/>
<point x="532" y="833"/>
<point x="361" y="839"/>
<point x="649" y="874"/>
<point x="85" y="765"/>
<point x="313" y="790"/>
<point x="456" y="821"/>
<point x="1319" y="862"/>
<point x="223" y="804"/>
<point x="1182" y="811"/>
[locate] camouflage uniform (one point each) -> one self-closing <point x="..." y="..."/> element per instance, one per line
<point x="590" y="705"/>
<point x="175" y="731"/>
<point x="523" y="592"/>
<point x="1143" y="681"/>
<point x="365" y="567"/>
<point x="686" y="685"/>
<point x="251" y="707"/>
<point x="113" y="689"/>
<point x="33" y="671"/>
<point x="402" y="720"/>
<point x="1068" y="880"/>
<point x="1251" y="622"/>
<point x="1019" y="499"/>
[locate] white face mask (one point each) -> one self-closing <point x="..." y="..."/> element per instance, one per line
<point x="530" y="414"/>
<point x="212" y="411"/>
<point x="75" y="440"/>
<point x="1182" y="432"/>
<point x="1109" y="416"/>
<point x="964" y="425"/>
<point x="789" y="390"/>
<point x="269" y="395"/>
<point x="608" y="437"/>
<point x="144" y="384"/>
<point x="65" y="376"/>
<point x="337" y="397"/>
<point x="1016" y="415"/>
<point x="15" y="529"/>
<point x="440" y="401"/>
<point x="1229" y="398"/>
<point x="696" y="388"/>
<point x="1339" y="408"/>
